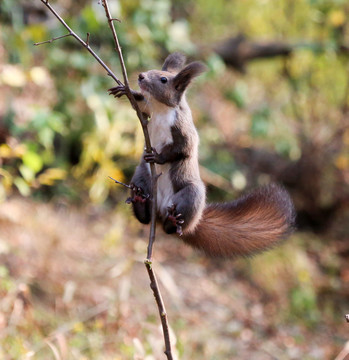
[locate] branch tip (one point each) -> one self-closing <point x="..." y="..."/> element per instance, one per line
<point x="53" y="39"/>
<point x="119" y="182"/>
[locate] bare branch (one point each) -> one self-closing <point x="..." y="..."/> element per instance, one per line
<point x="161" y="306"/>
<point x="121" y="183"/>
<point x="148" y="263"/>
<point x="343" y="354"/>
<point x="82" y="42"/>
<point x="144" y="123"/>
<point x="52" y="40"/>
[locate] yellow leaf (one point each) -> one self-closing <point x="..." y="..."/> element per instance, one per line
<point x="79" y="327"/>
<point x="116" y="174"/>
<point x="13" y="75"/>
<point x="336" y="18"/>
<point x="5" y="151"/>
<point x="342" y="162"/>
<point x="6" y="179"/>
<point x="49" y="176"/>
<point x="39" y="75"/>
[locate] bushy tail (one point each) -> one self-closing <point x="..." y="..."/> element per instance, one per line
<point x="248" y="225"/>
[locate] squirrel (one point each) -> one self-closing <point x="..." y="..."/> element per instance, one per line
<point x="248" y="225"/>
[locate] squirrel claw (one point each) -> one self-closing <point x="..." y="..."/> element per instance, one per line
<point x="117" y="91"/>
<point x="171" y="209"/>
<point x="175" y="219"/>
<point x="138" y="195"/>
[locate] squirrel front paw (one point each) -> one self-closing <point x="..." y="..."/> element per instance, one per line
<point x="175" y="219"/>
<point x="153" y="157"/>
<point x="117" y="91"/>
<point x="137" y="195"/>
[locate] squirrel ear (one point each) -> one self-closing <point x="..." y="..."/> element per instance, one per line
<point x="184" y="77"/>
<point x="174" y="62"/>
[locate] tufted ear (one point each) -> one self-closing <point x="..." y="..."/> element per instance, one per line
<point x="174" y="62"/>
<point x="186" y="75"/>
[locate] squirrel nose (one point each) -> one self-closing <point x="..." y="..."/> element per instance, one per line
<point x="141" y="76"/>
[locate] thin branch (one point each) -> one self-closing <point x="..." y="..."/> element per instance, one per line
<point x="154" y="176"/>
<point x="121" y="183"/>
<point x="343" y="354"/>
<point x="52" y="40"/>
<point x="82" y="42"/>
<point x="161" y="306"/>
<point x="144" y="122"/>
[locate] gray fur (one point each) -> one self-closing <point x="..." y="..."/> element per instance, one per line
<point x="248" y="225"/>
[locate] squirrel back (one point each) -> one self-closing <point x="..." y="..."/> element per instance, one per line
<point x="251" y="224"/>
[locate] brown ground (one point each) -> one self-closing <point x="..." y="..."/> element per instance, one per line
<point x="77" y="288"/>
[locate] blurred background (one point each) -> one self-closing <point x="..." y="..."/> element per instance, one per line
<point x="274" y="106"/>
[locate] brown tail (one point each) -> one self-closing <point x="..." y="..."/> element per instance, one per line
<point x="248" y="225"/>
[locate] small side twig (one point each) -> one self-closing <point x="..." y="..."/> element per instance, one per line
<point x="121" y="183"/>
<point x="52" y="40"/>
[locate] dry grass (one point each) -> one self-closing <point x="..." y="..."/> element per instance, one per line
<point x="74" y="287"/>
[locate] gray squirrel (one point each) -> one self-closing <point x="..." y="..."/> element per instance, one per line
<point x="250" y="224"/>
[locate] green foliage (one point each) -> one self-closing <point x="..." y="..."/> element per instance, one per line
<point x="67" y="122"/>
<point x="71" y="124"/>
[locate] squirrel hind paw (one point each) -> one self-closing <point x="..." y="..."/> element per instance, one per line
<point x="173" y="223"/>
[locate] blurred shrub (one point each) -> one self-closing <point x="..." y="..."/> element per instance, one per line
<point x="60" y="122"/>
<point x="57" y="115"/>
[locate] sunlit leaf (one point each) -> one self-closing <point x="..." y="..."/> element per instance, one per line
<point x="22" y="186"/>
<point x="27" y="173"/>
<point x="32" y="161"/>
<point x="12" y="75"/>
<point x="49" y="176"/>
<point x="39" y="75"/>
<point x="337" y="17"/>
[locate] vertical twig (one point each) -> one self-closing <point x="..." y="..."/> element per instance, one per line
<point x="144" y="122"/>
<point x="148" y="263"/>
<point x="161" y="306"/>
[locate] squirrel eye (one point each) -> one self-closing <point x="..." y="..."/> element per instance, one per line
<point x="163" y="80"/>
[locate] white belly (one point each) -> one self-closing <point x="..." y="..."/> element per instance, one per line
<point x="160" y="135"/>
<point x="165" y="189"/>
<point x="160" y="128"/>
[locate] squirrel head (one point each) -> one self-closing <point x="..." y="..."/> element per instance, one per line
<point x="169" y="84"/>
